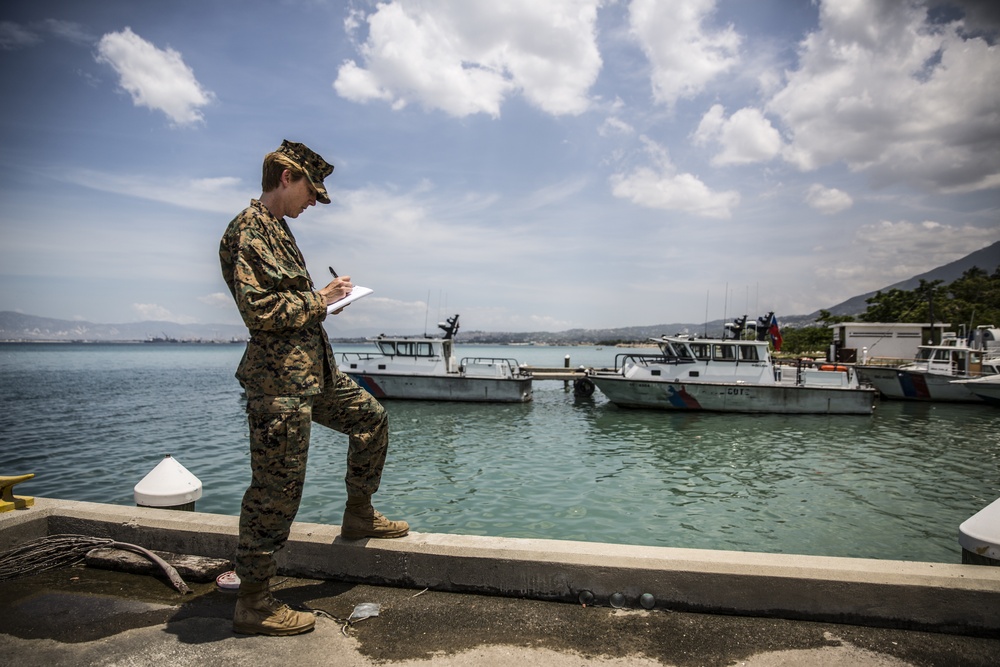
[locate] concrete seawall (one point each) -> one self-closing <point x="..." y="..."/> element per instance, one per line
<point x="949" y="598"/>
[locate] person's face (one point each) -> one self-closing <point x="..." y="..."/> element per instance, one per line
<point x="301" y="195"/>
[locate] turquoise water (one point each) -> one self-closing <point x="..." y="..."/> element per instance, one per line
<point x="91" y="420"/>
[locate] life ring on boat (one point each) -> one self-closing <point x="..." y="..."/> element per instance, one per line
<point x="831" y="367"/>
<point x="583" y="387"/>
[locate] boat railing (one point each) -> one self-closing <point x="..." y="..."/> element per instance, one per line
<point x="815" y="372"/>
<point x="359" y="356"/>
<point x="486" y="366"/>
<point x="639" y="359"/>
<point x="891" y="362"/>
<point x="369" y="356"/>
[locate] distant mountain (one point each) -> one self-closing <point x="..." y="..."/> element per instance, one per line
<point x="987" y="259"/>
<point x="17" y="327"/>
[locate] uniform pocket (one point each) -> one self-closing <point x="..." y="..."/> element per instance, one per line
<point x="279" y="431"/>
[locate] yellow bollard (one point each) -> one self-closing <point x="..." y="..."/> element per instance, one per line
<point x="8" y="501"/>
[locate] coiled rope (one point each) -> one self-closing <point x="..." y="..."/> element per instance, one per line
<point x="54" y="551"/>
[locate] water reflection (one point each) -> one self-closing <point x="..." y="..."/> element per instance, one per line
<point x="92" y="422"/>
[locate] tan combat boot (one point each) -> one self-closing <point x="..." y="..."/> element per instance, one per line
<point x="362" y="520"/>
<point x="258" y="613"/>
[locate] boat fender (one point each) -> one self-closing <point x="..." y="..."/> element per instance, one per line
<point x="583" y="387"/>
<point x="831" y="367"/>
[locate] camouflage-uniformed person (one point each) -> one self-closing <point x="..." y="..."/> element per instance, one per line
<point x="292" y="380"/>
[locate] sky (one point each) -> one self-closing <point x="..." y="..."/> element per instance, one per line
<point x="531" y="165"/>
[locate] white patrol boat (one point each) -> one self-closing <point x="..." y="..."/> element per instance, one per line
<point x="987" y="388"/>
<point x="425" y="369"/>
<point x="935" y="373"/>
<point x="730" y="375"/>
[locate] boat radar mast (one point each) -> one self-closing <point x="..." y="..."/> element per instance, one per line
<point x="450" y="327"/>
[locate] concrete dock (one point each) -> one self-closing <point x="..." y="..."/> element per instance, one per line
<point x="464" y="600"/>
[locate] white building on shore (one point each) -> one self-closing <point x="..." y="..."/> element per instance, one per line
<point x="885" y="342"/>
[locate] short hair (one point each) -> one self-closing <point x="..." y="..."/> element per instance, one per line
<point x="275" y="164"/>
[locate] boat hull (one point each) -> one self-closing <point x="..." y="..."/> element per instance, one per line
<point x="987" y="389"/>
<point x="732" y="397"/>
<point x="898" y="384"/>
<point x="445" y="388"/>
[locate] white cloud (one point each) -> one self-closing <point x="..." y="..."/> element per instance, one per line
<point x="880" y="89"/>
<point x="664" y="188"/>
<point x="887" y="252"/>
<point x="828" y="200"/>
<point x="223" y="194"/>
<point x="467" y="56"/>
<point x="217" y="300"/>
<point x="156" y="79"/>
<point x="746" y="137"/>
<point x="68" y="30"/>
<point x="14" y="36"/>
<point x="157" y="313"/>
<point x="684" y="54"/>
<point x="613" y="126"/>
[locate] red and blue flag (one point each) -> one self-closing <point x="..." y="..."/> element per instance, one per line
<point x="775" y="333"/>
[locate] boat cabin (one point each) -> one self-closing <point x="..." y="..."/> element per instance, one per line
<point x="701" y="360"/>
<point x="408" y="347"/>
<point x="952" y="357"/>
<point x="400" y="354"/>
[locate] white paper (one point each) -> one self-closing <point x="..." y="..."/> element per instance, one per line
<point x="356" y="293"/>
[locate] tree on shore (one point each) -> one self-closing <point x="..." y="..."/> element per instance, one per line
<point x="970" y="301"/>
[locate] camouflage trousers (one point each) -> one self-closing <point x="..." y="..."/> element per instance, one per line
<point x="279" y="446"/>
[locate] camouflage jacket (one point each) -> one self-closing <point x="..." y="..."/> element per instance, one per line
<point x="288" y="353"/>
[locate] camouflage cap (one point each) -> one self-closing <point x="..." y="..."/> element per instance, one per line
<point x="314" y="166"/>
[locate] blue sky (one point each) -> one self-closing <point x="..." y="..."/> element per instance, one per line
<point x="530" y="165"/>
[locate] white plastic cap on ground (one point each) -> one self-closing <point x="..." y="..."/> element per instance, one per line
<point x="167" y="485"/>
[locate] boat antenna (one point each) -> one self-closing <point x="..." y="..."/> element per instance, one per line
<point x="706" y="313"/>
<point x="427" y="311"/>
<point x="725" y="312"/>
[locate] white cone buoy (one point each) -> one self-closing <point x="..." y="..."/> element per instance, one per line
<point x="168" y="486"/>
<point x="979" y="536"/>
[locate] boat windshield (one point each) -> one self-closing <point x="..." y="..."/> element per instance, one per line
<point x="669" y="351"/>
<point x="683" y="351"/>
<point x="748" y="353"/>
<point x="701" y="351"/>
<point x="406" y="348"/>
<point x="724" y="352"/>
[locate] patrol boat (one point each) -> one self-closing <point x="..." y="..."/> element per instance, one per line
<point x="426" y="369"/>
<point x="730" y="375"/>
<point x="937" y="372"/>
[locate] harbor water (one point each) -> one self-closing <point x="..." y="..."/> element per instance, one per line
<point x="90" y="420"/>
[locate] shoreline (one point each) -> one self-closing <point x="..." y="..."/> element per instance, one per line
<point x="935" y="597"/>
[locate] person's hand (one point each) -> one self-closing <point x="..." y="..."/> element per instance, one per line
<point x="337" y="290"/>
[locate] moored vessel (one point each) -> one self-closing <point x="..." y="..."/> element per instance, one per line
<point x="933" y="375"/>
<point x="425" y="368"/>
<point x="730" y="375"/>
<point x="986" y="388"/>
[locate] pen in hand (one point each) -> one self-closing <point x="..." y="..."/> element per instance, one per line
<point x="333" y="273"/>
